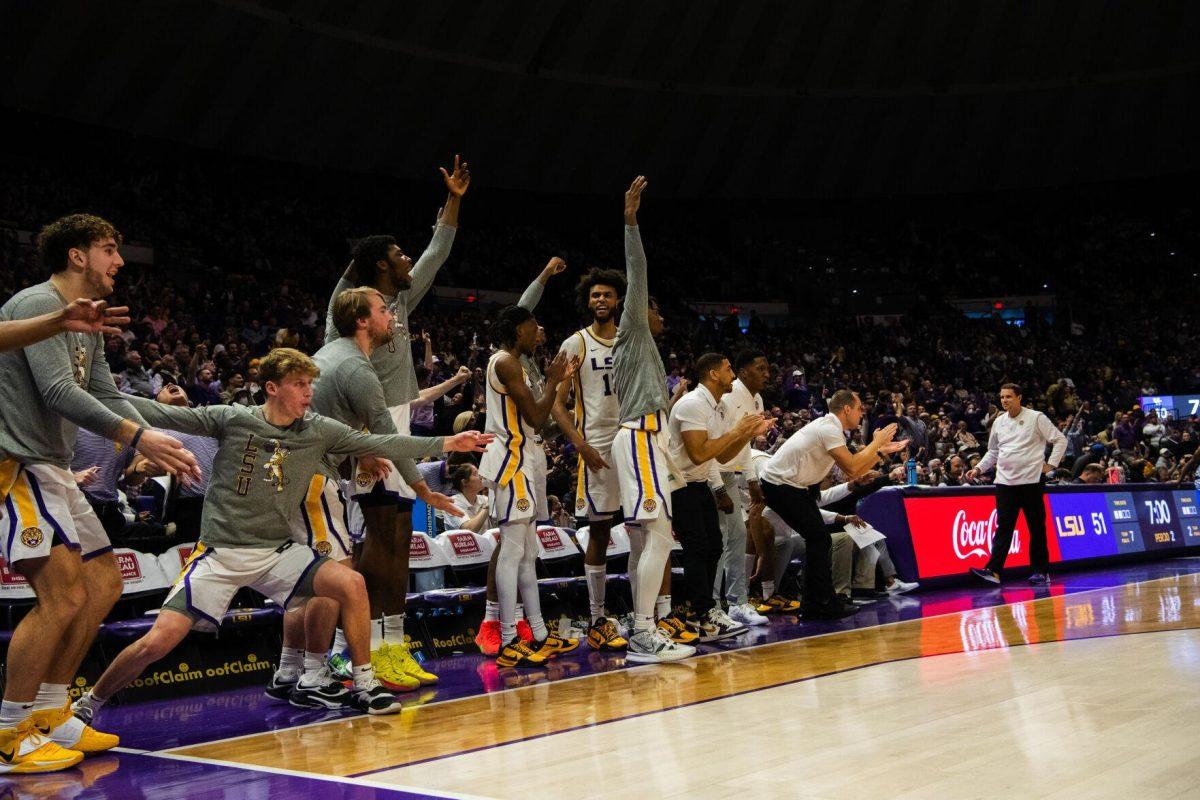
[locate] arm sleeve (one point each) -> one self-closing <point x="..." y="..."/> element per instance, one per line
<point x="532" y="295"/>
<point x="200" y="421"/>
<point x="834" y="493"/>
<point x="637" y="291"/>
<point x="55" y="379"/>
<point x="342" y="440"/>
<point x="1055" y="437"/>
<point x="988" y="462"/>
<point x="102" y="387"/>
<point x="331" y="333"/>
<point x="427" y="266"/>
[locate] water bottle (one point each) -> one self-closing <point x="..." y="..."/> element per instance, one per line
<point x="910" y="468"/>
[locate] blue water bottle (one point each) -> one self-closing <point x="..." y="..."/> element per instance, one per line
<point x="910" y="468"/>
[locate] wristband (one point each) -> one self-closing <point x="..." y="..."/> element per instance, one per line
<point x="133" y="443"/>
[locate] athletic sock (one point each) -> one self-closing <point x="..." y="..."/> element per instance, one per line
<point x="768" y="589"/>
<point x="50" y="695"/>
<point x="376" y="633"/>
<point x="641" y="623"/>
<point x="662" y="606"/>
<point x="92" y="702"/>
<point x="13" y="713"/>
<point x="313" y="662"/>
<point x="364" y="676"/>
<point x="597" y="578"/>
<point x="538" y="626"/>
<point x="491" y="611"/>
<point x="339" y="641"/>
<point x="393" y="628"/>
<point x="291" y="660"/>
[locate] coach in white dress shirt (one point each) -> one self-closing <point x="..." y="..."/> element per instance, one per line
<point x="1017" y="451"/>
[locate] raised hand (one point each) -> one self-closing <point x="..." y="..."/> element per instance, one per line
<point x="885" y="434"/>
<point x="87" y="476"/>
<point x="458" y="180"/>
<point x="468" y="442"/>
<point x="633" y="199"/>
<point x="554" y="266"/>
<point x="463" y="375"/>
<point x="894" y="447"/>
<point x="441" y="502"/>
<point x="94" y="316"/>
<point x="378" y="468"/>
<point x="561" y="368"/>
<point x="170" y="454"/>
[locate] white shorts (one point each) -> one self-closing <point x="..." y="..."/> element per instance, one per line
<point x="42" y="506"/>
<point x="393" y="485"/>
<point x="521" y="500"/>
<point x="644" y="473"/>
<point x="210" y="579"/>
<point x="321" y="520"/>
<point x="597" y="493"/>
<point x="354" y="516"/>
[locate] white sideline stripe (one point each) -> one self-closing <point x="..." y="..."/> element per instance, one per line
<point x="673" y="664"/>
<point x="295" y="773"/>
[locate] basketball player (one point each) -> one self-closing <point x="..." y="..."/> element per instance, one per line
<point x="386" y="504"/>
<point x="597" y="412"/>
<point x="56" y="542"/>
<point x="515" y="488"/>
<point x="1017" y="451"/>
<point x="640" y="449"/>
<point x="347" y="390"/>
<point x="262" y="472"/>
<point x="700" y="436"/>
<point x="753" y="372"/>
<point x="791" y="484"/>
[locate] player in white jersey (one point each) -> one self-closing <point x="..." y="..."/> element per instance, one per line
<point x="597" y="418"/>
<point x="515" y="486"/>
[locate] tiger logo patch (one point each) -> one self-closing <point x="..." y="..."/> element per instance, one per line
<point x="522" y="505"/>
<point x="649" y="505"/>
<point x="580" y="504"/>
<point x="363" y="479"/>
<point x="32" y="537"/>
<point x="324" y="548"/>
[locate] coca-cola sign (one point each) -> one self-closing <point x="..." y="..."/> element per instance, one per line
<point x="973" y="537"/>
<point x="952" y="534"/>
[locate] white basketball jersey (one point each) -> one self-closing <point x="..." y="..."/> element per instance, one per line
<point x="515" y="445"/>
<point x="597" y="410"/>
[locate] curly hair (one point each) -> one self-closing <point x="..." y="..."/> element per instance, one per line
<point x="593" y="277"/>
<point x="72" y="232"/>
<point x="504" y="327"/>
<point x="368" y="252"/>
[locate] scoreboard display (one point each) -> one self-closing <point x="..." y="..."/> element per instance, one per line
<point x="951" y="530"/>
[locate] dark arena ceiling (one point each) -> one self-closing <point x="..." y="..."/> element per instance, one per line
<point x="765" y="99"/>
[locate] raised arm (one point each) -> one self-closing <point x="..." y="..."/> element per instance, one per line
<point x="432" y="393"/>
<point x="637" y="292"/>
<point x="82" y="316"/>
<point x="345" y="441"/>
<point x="345" y="282"/>
<point x="435" y="255"/>
<point x="700" y="448"/>
<point x="533" y="293"/>
<point x="199" y="421"/>
<point x="856" y="464"/>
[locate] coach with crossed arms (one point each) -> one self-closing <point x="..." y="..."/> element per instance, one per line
<point x="1017" y="451"/>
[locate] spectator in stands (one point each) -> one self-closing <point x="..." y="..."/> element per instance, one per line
<point x="1153" y="431"/>
<point x="138" y="380"/>
<point x="1094" y="455"/>
<point x="470" y="497"/>
<point x="1091" y="473"/>
<point x="1124" y="433"/>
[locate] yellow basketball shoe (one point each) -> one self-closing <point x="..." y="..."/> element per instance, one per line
<point x="554" y="645"/>
<point x="521" y="654"/>
<point x="24" y="750"/>
<point x="403" y="659"/>
<point x="388" y="672"/>
<point x="778" y="604"/>
<point x="677" y="630"/>
<point x="66" y="730"/>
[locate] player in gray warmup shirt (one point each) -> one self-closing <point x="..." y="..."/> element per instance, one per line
<point x="268" y="455"/>
<point x="386" y="503"/>
<point x="47" y="389"/>
<point x="349" y="391"/>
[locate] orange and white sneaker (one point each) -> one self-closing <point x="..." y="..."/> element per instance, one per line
<point x="66" y="730"/>
<point x="23" y="750"/>
<point x="488" y="638"/>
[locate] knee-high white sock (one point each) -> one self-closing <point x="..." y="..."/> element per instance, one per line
<point x="528" y="585"/>
<point x="637" y="543"/>
<point x="654" y="557"/>
<point x="662" y="606"/>
<point x="512" y="550"/>
<point x="597" y="578"/>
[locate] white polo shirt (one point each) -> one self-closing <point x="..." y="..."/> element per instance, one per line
<point x="1017" y="447"/>
<point x="804" y="459"/>
<point x="737" y="403"/>
<point x="697" y="410"/>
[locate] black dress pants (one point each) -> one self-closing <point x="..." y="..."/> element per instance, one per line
<point x="1011" y="501"/>
<point x="695" y="522"/>
<point x="799" y="509"/>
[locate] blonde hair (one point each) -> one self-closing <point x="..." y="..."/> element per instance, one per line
<point x="283" y="361"/>
<point x="350" y="306"/>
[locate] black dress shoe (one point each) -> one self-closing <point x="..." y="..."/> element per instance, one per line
<point x="832" y="610"/>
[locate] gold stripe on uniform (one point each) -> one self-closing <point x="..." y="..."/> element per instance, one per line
<point x="512" y="420"/>
<point x="8" y="474"/>
<point x="314" y="511"/>
<point x="641" y="450"/>
<point x="22" y="494"/>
